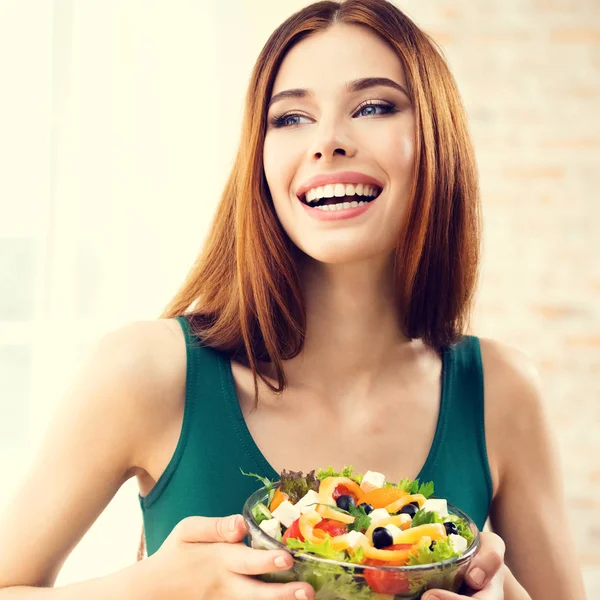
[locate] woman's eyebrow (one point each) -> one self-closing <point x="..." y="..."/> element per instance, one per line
<point x="351" y="86"/>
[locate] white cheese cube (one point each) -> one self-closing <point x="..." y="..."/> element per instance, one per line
<point x="272" y="527"/>
<point x="394" y="531"/>
<point x="372" y="480"/>
<point x="378" y="515"/>
<point x="458" y="541"/>
<point x="355" y="539"/>
<point x="286" y="512"/>
<point x="438" y="506"/>
<point x="309" y="498"/>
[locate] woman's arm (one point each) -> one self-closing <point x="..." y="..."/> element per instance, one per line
<point x="92" y="447"/>
<point x="529" y="509"/>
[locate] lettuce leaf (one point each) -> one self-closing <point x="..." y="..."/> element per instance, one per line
<point x="267" y="483"/>
<point x="296" y="485"/>
<point x="425" y="517"/>
<point x="347" y="471"/>
<point x="463" y="529"/>
<point x="362" y="521"/>
<point x="442" y="550"/>
<point x="412" y="486"/>
<point x="322" y="549"/>
<point x="333" y="582"/>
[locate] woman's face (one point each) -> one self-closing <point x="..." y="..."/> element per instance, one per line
<point x="333" y="130"/>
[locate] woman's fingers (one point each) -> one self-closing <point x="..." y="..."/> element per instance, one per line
<point x="238" y="558"/>
<point x="230" y="529"/>
<point x="493" y="590"/>
<point x="487" y="561"/>
<point x="252" y="589"/>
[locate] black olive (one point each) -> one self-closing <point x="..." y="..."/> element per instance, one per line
<point x="382" y="538"/>
<point x="368" y="508"/>
<point x="416" y="505"/>
<point x="345" y="502"/>
<point x="409" y="509"/>
<point x="451" y="528"/>
<point x="432" y="545"/>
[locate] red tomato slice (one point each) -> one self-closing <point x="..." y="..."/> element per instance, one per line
<point x="332" y="527"/>
<point x="293" y="531"/>
<point x="342" y="490"/>
<point x="386" y="582"/>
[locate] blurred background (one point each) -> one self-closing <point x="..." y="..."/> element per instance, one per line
<point x="118" y="126"/>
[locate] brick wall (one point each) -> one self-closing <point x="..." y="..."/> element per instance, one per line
<point x="529" y="72"/>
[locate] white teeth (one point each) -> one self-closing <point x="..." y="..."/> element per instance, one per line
<point x="338" y="190"/>
<point x="341" y="205"/>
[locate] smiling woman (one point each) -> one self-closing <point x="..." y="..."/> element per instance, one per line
<point x="325" y="322"/>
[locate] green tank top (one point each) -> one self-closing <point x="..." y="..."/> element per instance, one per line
<point x="203" y="476"/>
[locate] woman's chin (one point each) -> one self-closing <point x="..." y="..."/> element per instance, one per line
<point x="340" y="253"/>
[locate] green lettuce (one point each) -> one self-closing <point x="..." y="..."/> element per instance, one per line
<point x="425" y="517"/>
<point x="362" y="521"/>
<point x="412" y="486"/>
<point x="322" y="549"/>
<point x="347" y="471"/>
<point x="267" y="483"/>
<point x="442" y="550"/>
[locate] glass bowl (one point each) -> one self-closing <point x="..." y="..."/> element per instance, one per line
<point x="337" y="580"/>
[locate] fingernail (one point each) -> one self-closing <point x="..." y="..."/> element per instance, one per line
<point x="233" y="523"/>
<point x="477" y="576"/>
<point x="431" y="597"/>
<point x="281" y="561"/>
<point x="301" y="595"/>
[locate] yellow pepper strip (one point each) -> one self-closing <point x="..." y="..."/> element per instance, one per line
<point x="401" y="521"/>
<point x="436" y="531"/>
<point x="328" y="485"/>
<point x="395" y="506"/>
<point x="329" y="513"/>
<point x="398" y="556"/>
<point x="307" y="523"/>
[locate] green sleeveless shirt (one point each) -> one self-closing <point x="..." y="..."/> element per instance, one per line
<point x="203" y="476"/>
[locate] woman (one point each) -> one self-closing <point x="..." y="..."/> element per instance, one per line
<point x="312" y="336"/>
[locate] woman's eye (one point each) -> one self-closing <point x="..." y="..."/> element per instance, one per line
<point x="384" y="107"/>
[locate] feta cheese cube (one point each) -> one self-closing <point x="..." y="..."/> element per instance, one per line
<point x="355" y="539"/>
<point x="394" y="531"/>
<point x="309" y="498"/>
<point x="272" y="527"/>
<point x="378" y="515"/>
<point x="458" y="541"/>
<point x="286" y="512"/>
<point x="438" y="506"/>
<point x="372" y="480"/>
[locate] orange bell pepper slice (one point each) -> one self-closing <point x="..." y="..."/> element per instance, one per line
<point x="381" y="497"/>
<point x="395" y="506"/>
<point x="278" y="498"/>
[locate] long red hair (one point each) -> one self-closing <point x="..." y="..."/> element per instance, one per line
<point x="243" y="293"/>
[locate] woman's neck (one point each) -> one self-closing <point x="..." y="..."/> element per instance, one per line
<point x="352" y="327"/>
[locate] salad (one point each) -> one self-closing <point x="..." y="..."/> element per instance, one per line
<point x="362" y="520"/>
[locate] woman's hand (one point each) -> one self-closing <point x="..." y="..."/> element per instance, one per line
<point x="205" y="559"/>
<point x="485" y="576"/>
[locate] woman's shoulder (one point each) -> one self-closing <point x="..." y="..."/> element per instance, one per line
<point x="515" y="410"/>
<point x="143" y="364"/>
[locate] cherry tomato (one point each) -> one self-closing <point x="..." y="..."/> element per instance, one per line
<point x="332" y="527"/>
<point x="386" y="582"/>
<point x="293" y="531"/>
